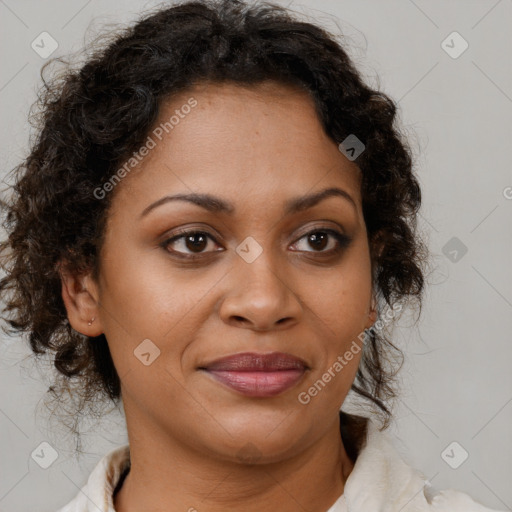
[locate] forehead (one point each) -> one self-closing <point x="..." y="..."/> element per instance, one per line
<point x="263" y="142"/>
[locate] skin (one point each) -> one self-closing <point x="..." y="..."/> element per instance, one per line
<point x="256" y="147"/>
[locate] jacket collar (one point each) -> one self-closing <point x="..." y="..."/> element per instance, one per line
<point x="380" y="476"/>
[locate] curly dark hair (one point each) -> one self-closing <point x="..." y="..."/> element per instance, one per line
<point x="92" y="117"/>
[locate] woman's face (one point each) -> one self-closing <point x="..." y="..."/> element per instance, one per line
<point x="258" y="282"/>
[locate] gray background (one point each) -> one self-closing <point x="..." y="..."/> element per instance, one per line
<point x="456" y="381"/>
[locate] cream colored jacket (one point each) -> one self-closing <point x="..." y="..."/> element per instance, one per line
<point x="380" y="481"/>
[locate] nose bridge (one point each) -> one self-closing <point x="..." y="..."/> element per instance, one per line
<point x="259" y="265"/>
<point x="259" y="293"/>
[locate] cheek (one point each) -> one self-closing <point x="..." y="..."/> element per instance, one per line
<point x="140" y="292"/>
<point x="154" y="302"/>
<point x="341" y="305"/>
<point x="342" y="301"/>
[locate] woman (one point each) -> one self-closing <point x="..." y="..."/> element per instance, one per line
<point x="213" y="221"/>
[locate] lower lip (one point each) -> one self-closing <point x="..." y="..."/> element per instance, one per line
<point x="260" y="384"/>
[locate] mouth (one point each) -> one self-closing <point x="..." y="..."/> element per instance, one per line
<point x="258" y="375"/>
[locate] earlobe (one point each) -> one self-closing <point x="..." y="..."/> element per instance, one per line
<point x="372" y="317"/>
<point x="372" y="314"/>
<point x="80" y="299"/>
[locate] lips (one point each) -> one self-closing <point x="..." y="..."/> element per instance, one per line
<point x="257" y="375"/>
<point x="253" y="362"/>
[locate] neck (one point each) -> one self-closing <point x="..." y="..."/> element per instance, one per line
<point x="173" y="476"/>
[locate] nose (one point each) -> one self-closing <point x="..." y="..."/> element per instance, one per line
<point x="260" y="297"/>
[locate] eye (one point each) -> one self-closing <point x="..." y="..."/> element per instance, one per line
<point x="193" y="240"/>
<point x="319" y="239"/>
<point x="197" y="241"/>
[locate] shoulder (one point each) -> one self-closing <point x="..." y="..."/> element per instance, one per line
<point x="381" y="479"/>
<point x="96" y="494"/>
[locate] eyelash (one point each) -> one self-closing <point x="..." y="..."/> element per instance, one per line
<point x="342" y="239"/>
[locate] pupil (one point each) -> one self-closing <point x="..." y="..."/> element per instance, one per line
<point x="196" y="246"/>
<point x="318" y="237"/>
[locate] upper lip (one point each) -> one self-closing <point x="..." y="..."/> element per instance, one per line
<point x="252" y="361"/>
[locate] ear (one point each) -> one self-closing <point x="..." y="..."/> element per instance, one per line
<point x="372" y="313"/>
<point x="377" y="245"/>
<point x="81" y="298"/>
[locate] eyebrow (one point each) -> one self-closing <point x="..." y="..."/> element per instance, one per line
<point x="217" y="205"/>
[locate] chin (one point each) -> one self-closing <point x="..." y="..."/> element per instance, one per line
<point x="261" y="436"/>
